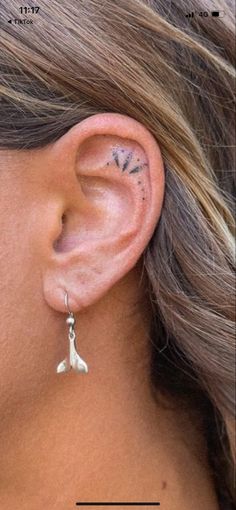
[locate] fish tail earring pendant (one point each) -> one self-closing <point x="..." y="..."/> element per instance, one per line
<point x="73" y="360"/>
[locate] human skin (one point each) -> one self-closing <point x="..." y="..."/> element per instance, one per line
<point x="76" y="217"/>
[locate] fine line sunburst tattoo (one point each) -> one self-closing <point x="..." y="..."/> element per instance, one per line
<point x="126" y="163"/>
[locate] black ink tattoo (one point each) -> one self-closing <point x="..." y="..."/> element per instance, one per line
<point x="127" y="161"/>
<point x="135" y="169"/>
<point x="115" y="155"/>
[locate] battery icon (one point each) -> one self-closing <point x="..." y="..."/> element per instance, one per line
<point x="218" y="14"/>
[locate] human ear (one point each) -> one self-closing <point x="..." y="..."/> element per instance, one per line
<point x="107" y="181"/>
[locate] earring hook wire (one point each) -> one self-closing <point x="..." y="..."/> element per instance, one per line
<point x="67" y="302"/>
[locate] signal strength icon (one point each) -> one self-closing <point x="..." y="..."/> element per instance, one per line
<point x="189" y="15"/>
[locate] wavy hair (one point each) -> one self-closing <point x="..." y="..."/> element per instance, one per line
<point x="175" y="75"/>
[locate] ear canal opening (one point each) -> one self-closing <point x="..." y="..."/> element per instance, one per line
<point x="56" y="243"/>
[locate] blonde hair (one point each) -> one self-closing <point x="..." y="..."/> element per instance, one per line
<point x="175" y="75"/>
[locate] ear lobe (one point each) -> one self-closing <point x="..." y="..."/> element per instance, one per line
<point x="119" y="200"/>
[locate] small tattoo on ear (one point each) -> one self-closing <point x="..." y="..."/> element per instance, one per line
<point x="115" y="155"/>
<point x="127" y="161"/>
<point x="135" y="169"/>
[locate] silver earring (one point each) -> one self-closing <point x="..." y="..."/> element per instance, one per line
<point x="73" y="360"/>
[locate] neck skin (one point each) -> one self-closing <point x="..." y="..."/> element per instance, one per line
<point x="101" y="436"/>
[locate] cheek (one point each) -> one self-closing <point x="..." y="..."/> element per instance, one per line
<point x="15" y="259"/>
<point x="28" y="339"/>
<point x="17" y="286"/>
